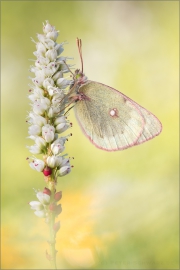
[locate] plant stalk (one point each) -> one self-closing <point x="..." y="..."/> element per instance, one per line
<point x="52" y="242"/>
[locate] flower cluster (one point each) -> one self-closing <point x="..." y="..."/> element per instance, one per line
<point x="48" y="103"/>
<point x="47" y="205"/>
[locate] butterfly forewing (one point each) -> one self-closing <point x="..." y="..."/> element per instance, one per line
<point x="108" y="118"/>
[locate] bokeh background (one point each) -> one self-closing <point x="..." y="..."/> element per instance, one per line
<point x="120" y="209"/>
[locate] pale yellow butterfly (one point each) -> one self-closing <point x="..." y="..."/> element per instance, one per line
<point x="110" y="120"/>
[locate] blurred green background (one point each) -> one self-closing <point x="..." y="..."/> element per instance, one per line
<point x="120" y="209"/>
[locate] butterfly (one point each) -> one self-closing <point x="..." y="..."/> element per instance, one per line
<point x="111" y="120"/>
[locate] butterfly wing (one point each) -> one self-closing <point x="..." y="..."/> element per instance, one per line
<point x="111" y="120"/>
<point x="152" y="127"/>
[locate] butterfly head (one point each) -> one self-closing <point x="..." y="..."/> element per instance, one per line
<point x="79" y="77"/>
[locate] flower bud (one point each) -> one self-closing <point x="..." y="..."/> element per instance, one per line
<point x="51" y="160"/>
<point x="49" y="43"/>
<point x="52" y="35"/>
<point x="38" y="80"/>
<point x="40" y="106"/>
<point x="58" y="209"/>
<point x="59" y="120"/>
<point x="58" y="196"/>
<point x="47" y="171"/>
<point x="37" y="165"/>
<point x="51" y="112"/>
<point x="54" y="161"/>
<point x="37" y="120"/>
<point x="52" y="207"/>
<point x="51" y="54"/>
<point x="56" y="226"/>
<point x="48" y="133"/>
<point x="41" y="61"/>
<point x="41" y="38"/>
<point x="51" y="90"/>
<point x="58" y="75"/>
<point x="62" y="83"/>
<point x="48" y="82"/>
<point x="62" y="127"/>
<point x="64" y="170"/>
<point x="43" y="197"/>
<point x="35" y="205"/>
<point x="65" y="162"/>
<point x="34" y="130"/>
<point x="57" y="146"/>
<point x="48" y="27"/>
<point x="47" y="191"/>
<point x="41" y="49"/>
<point x="40" y="214"/>
<point x="34" y="149"/>
<point x="41" y="143"/>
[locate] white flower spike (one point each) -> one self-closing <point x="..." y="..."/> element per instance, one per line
<point x="47" y="96"/>
<point x="46" y="120"/>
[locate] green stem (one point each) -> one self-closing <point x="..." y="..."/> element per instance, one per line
<point x="51" y="186"/>
<point x="52" y="243"/>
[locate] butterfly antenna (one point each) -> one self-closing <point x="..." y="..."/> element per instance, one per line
<point x="79" y="44"/>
